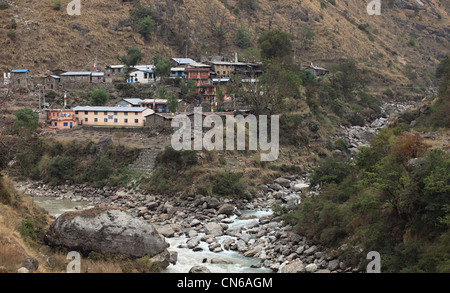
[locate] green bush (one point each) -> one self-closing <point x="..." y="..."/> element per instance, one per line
<point x="27" y="230"/>
<point x="11" y="33"/>
<point x="99" y="97"/>
<point x="56" y="5"/>
<point x="330" y="170"/>
<point x="4" y="5"/>
<point x="226" y="183"/>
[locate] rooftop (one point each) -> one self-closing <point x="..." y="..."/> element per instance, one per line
<point x="110" y="109"/>
<point x="183" y="60"/>
<point x="19" y="70"/>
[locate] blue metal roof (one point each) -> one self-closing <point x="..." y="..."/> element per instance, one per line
<point x="19" y="70"/>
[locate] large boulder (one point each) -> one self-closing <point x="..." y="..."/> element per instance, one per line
<point x="226" y="209"/>
<point x="109" y="231"/>
<point x="213" y="228"/>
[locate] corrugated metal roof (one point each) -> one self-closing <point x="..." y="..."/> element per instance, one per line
<point x="133" y="101"/>
<point x="98" y="74"/>
<point x="183" y="60"/>
<point x="157" y="101"/>
<point x="84" y="73"/>
<point x="19" y="70"/>
<point x="110" y="109"/>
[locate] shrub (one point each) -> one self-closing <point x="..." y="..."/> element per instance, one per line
<point x="226" y="183"/>
<point x="11" y="33"/>
<point x="99" y="97"/>
<point x="146" y="26"/>
<point x="4" y="5"/>
<point x="26" y="229"/>
<point x="330" y="170"/>
<point x="56" y="5"/>
<point x="26" y="119"/>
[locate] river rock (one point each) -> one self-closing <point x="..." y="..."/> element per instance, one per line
<point x="311" y="268"/>
<point x="23" y="270"/>
<point x="296" y="266"/>
<point x="106" y="231"/>
<point x="310" y="251"/>
<point x="213" y="228"/>
<point x="192" y="243"/>
<point x="166" y="231"/>
<point x="226" y="209"/>
<point x="31" y="264"/>
<point x="283" y="181"/>
<point x="199" y="270"/>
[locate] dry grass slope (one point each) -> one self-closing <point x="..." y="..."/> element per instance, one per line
<point x="50" y="39"/>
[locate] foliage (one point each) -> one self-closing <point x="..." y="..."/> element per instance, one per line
<point x="132" y="58"/>
<point x="384" y="202"/>
<point x="225" y="183"/>
<point x="242" y="38"/>
<point x="4" y="5"/>
<point x="11" y="33"/>
<point x="172" y="103"/>
<point x="99" y="97"/>
<point x="275" y="44"/>
<point x="26" y="119"/>
<point x="56" y="4"/>
<point x="162" y="66"/>
<point x="146" y="26"/>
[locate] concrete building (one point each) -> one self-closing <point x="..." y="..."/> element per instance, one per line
<point x="112" y="116"/>
<point x="20" y="78"/>
<point x="60" y="119"/>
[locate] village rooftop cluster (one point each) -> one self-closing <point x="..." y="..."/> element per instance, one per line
<point x="211" y="74"/>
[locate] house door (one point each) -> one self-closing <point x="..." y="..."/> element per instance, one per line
<point x="71" y="125"/>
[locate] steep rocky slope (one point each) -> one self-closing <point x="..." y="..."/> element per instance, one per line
<point x="400" y="46"/>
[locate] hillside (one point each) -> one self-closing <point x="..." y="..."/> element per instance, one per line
<point x="401" y="46"/>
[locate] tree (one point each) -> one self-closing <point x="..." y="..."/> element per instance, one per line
<point x="162" y="66"/>
<point x="242" y="38"/>
<point x="267" y="96"/>
<point x="219" y="26"/>
<point x="275" y="44"/>
<point x="132" y="58"/>
<point x="172" y="103"/>
<point x="26" y="119"/>
<point x="146" y="26"/>
<point x="188" y="89"/>
<point x="99" y="97"/>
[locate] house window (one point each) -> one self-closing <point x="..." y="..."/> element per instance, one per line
<point x="56" y="123"/>
<point x="66" y="124"/>
<point x="106" y="120"/>
<point x="115" y="120"/>
<point x="76" y="112"/>
<point x="125" y="120"/>
<point x="136" y="120"/>
<point x="115" y="113"/>
<point x="145" y="75"/>
<point x="95" y="113"/>
<point x="95" y="119"/>
<point x="203" y="73"/>
<point x="125" y="113"/>
<point x="105" y="113"/>
<point x="136" y="113"/>
<point x="86" y="120"/>
<point x="85" y="112"/>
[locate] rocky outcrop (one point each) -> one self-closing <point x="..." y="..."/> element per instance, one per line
<point x="107" y="231"/>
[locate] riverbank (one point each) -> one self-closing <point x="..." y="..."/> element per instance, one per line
<point x="206" y="226"/>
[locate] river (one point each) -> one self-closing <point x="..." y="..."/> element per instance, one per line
<point x="187" y="258"/>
